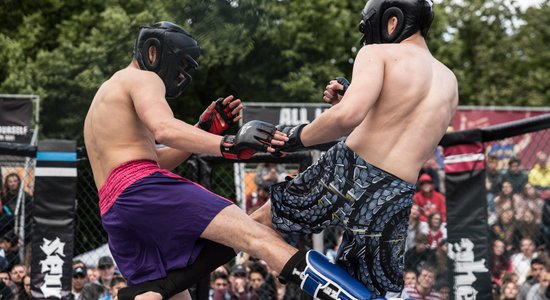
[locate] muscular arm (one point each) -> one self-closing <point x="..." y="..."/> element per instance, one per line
<point x="363" y="92"/>
<point x="155" y="113"/>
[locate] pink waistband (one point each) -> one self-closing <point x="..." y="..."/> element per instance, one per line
<point x="121" y="177"/>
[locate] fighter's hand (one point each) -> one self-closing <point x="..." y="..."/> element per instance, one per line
<point x="252" y="137"/>
<point x="293" y="143"/>
<point x="335" y="90"/>
<point x="220" y="115"/>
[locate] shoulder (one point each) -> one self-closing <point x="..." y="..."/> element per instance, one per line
<point x="371" y="52"/>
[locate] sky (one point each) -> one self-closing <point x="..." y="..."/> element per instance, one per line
<point x="522" y="3"/>
<point x="526" y="3"/>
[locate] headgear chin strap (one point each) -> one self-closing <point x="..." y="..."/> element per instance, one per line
<point x="177" y="53"/>
<point x="412" y="16"/>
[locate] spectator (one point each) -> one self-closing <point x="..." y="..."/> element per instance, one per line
<point x="93" y="274"/>
<point x="443" y="288"/>
<point x="238" y="286"/>
<point x="106" y="267"/>
<point x="10" y="257"/>
<point x="117" y="283"/>
<point x="258" y="198"/>
<point x="8" y="284"/>
<point x="429" y="200"/>
<point x="539" y="176"/>
<point x="5" y="291"/>
<point x="414" y="226"/>
<point x="537" y="291"/>
<point x="528" y="200"/>
<point x="420" y="255"/>
<point x="269" y="173"/>
<point x="434" y="230"/>
<point x="409" y="277"/>
<point x="493" y="175"/>
<point x="10" y="194"/>
<point x="527" y="226"/>
<point x="17" y="273"/>
<point x="79" y="280"/>
<point x="521" y="262"/>
<point x="515" y="176"/>
<point x="545" y="224"/>
<point x="537" y="265"/>
<point x="505" y="229"/>
<point x="506" y="198"/>
<point x="25" y="292"/>
<point x="509" y="291"/>
<point x="423" y="288"/>
<point x="510" y="277"/>
<point x="499" y="263"/>
<point x="92" y="291"/>
<point x="262" y="284"/>
<point x="332" y="252"/>
<point x="430" y="167"/>
<point x="219" y="281"/>
<point x="442" y="262"/>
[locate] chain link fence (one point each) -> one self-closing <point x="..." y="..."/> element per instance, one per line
<point x="517" y="217"/>
<point x="17" y="188"/>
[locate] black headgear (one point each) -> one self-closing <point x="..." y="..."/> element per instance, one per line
<point x="412" y="15"/>
<point x="177" y="53"/>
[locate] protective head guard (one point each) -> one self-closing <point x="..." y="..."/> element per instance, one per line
<point x="412" y="15"/>
<point x="176" y="54"/>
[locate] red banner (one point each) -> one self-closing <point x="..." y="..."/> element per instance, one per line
<point x="523" y="146"/>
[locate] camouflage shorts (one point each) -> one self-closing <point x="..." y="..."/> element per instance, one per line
<point x="373" y="206"/>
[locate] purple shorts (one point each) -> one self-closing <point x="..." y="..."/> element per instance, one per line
<point x="154" y="219"/>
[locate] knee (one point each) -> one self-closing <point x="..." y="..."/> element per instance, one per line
<point x="263" y="215"/>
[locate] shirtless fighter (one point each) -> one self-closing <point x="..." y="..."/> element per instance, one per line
<point x="394" y="113"/>
<point x="158" y="222"/>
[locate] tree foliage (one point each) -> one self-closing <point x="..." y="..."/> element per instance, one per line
<point x="261" y="51"/>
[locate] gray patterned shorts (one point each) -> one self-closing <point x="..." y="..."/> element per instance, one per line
<point x="373" y="206"/>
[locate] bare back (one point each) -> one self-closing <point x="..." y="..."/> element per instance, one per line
<point x="417" y="100"/>
<point x="113" y="132"/>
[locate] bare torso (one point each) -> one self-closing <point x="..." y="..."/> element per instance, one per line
<point x="113" y="132"/>
<point x="417" y="101"/>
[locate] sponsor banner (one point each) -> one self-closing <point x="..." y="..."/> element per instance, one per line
<point x="15" y="120"/>
<point x="467" y="221"/>
<point x="524" y="146"/>
<point x="283" y="113"/>
<point x="465" y="118"/>
<point x="53" y="220"/>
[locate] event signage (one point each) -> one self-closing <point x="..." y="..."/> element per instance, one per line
<point x="53" y="220"/>
<point x="15" y="120"/>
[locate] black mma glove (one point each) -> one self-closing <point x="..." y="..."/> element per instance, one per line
<point x="209" y="122"/>
<point x="294" y="142"/>
<point x="252" y="137"/>
<point x="343" y="81"/>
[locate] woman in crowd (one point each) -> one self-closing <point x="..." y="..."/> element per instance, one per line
<point x="434" y="230"/>
<point x="499" y="263"/>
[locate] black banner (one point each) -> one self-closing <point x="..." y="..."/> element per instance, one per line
<point x="283" y="113"/>
<point x="467" y="228"/>
<point x="53" y="220"/>
<point x="15" y="120"/>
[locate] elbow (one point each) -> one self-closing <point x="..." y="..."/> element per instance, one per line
<point x="160" y="132"/>
<point x="348" y="120"/>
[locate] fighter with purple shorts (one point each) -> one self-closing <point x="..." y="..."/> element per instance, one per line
<point x="159" y="209"/>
